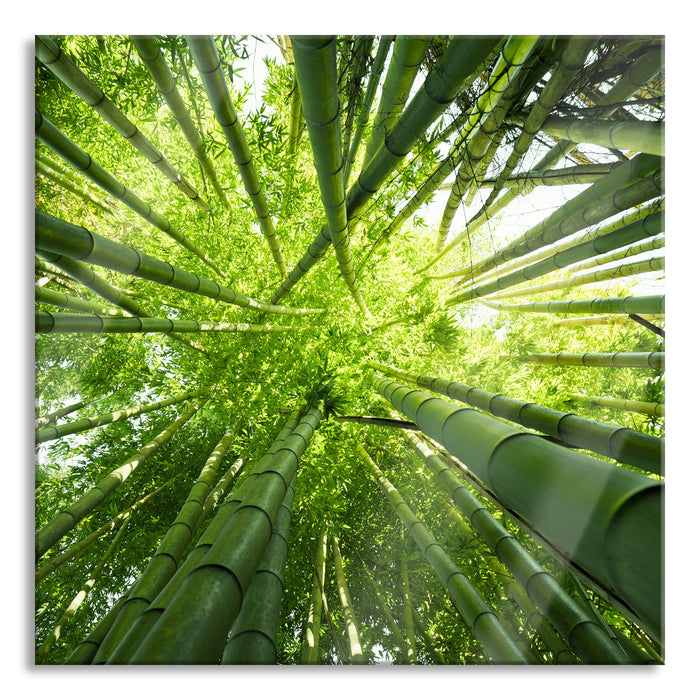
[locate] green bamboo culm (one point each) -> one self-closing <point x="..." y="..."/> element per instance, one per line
<point x="153" y="59"/>
<point x="84" y="653"/>
<point x="60" y="237"/>
<point x="611" y="320"/>
<point x="63" y="68"/>
<point x="53" y="432"/>
<point x="462" y="58"/>
<point x="66" y="301"/>
<point x="603" y="517"/>
<point x="46" y="322"/>
<point x="623" y="444"/>
<point x="163" y="563"/>
<point x="52" y="417"/>
<point x="315" y="66"/>
<point x="640" y="360"/>
<point x="206" y="58"/>
<point x="187" y="633"/>
<point x="581" y="633"/>
<point x="312" y="627"/>
<point x="62" y="146"/>
<point x="642" y="305"/>
<point x="132" y="638"/>
<point x="482" y="621"/>
<point x="573" y="175"/>
<point x="67" y="519"/>
<point x="253" y="638"/>
<point x="647" y="408"/>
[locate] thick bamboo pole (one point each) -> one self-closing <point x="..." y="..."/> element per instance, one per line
<point x="312" y="628"/>
<point x="63" y="238"/>
<point x="623" y="444"/>
<point x="206" y="58"/>
<point x="68" y="518"/>
<point x="581" y="633"/>
<point x="483" y="622"/>
<point x="194" y="626"/>
<point x="640" y="360"/>
<point x="85" y="651"/>
<point x="605" y="518"/>
<point x="642" y="305"/>
<point x="62" y="146"/>
<point x="64" y="69"/>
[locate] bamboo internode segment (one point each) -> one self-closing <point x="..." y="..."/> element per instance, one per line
<point x="185" y="633"/>
<point x="482" y="620"/>
<point x="206" y="58"/>
<point x="314" y="59"/>
<point x="604" y="320"/>
<point x="52" y="432"/>
<point x="61" y="66"/>
<point x="635" y="136"/>
<point x="643" y="305"/>
<point x="647" y="408"/>
<point x="605" y="518"/>
<point x="623" y="444"/>
<point x="640" y="360"/>
<point x="46" y="322"/>
<point x="582" y="635"/>
<point x="62" y="238"/>
<point x="151" y="55"/>
<point x="67" y="519"/>
<point x="462" y="58"/>
<point x="60" y="144"/>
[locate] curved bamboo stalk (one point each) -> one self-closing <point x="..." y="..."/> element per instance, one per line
<point x="83" y="274"/>
<point x="60" y="144"/>
<point x="639" y="230"/>
<point x="46" y="322"/>
<point x="67" y="519"/>
<point x="314" y="61"/>
<point x="363" y="118"/>
<point x="507" y="69"/>
<point x="253" y="638"/>
<point x="623" y="270"/>
<point x="80" y="597"/>
<point x="53" y="432"/>
<point x="63" y="238"/>
<point x="310" y="641"/>
<point x="64" y="69"/>
<point x="357" y="656"/>
<point x="635" y="136"/>
<point x="581" y="633"/>
<point x="151" y="55"/>
<point x="479" y="617"/>
<point x="406" y="58"/>
<point x="140" y="627"/>
<point x="194" y="626"/>
<point x="206" y="58"/>
<point x="164" y="561"/>
<point x="79" y="547"/>
<point x="643" y="305"/>
<point x="605" y="518"/>
<point x="640" y="360"/>
<point x="462" y="58"/>
<point x="622" y="444"/>
<point x="646" y="408"/>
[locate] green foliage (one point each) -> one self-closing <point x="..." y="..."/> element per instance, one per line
<point x="256" y="382"/>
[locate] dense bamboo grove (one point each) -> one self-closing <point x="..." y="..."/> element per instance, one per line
<point x="397" y="463"/>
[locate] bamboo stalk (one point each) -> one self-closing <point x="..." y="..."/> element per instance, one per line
<point x="85" y="651"/>
<point x="643" y="305"/>
<point x="53" y="235"/>
<point x="603" y="320"/>
<point x="605" y="518"/>
<point x="640" y="360"/>
<point x="310" y="641"/>
<point x="65" y="301"/>
<point x="623" y="444"/>
<point x="64" y="69"/>
<point x="208" y="64"/>
<point x="71" y="408"/>
<point x="646" y="408"/>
